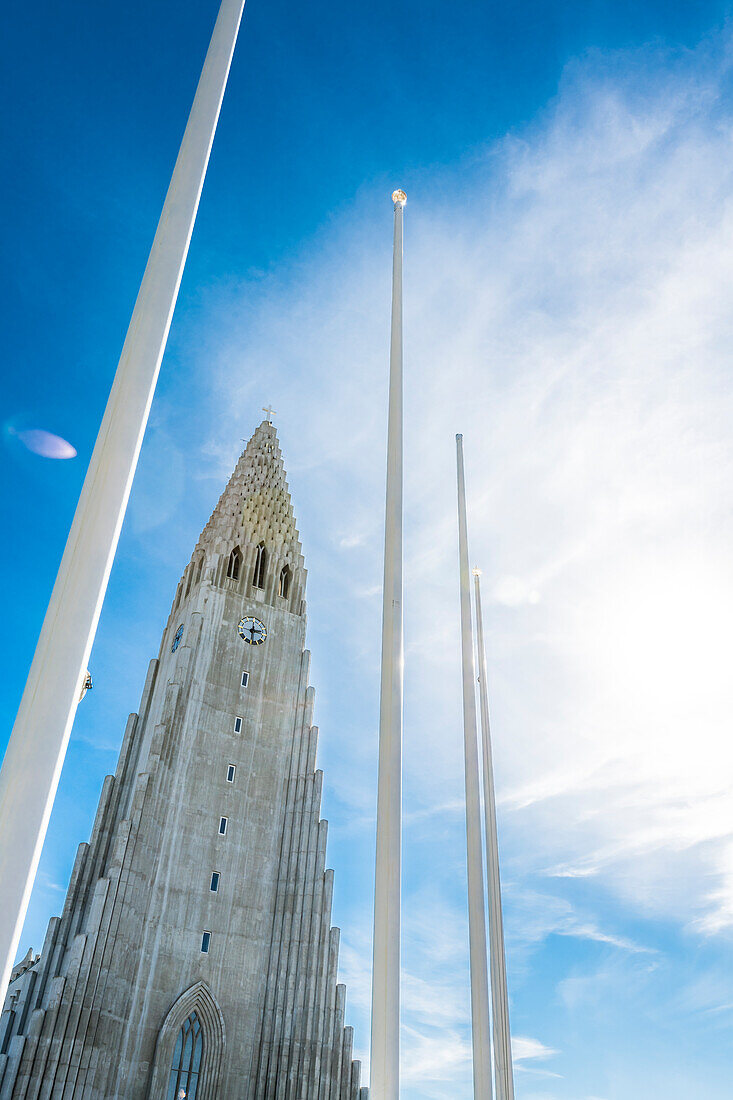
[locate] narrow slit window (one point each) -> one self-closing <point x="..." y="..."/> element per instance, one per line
<point x="245" y="679"/>
<point x="235" y="563"/>
<point x="237" y="724"/>
<point x="231" y="772"/>
<point x="283" y="586"/>
<point x="205" y="943"/>
<point x="223" y="822"/>
<point x="215" y="876"/>
<point x="258" y="580"/>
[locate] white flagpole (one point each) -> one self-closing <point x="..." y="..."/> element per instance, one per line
<point x="35" y="753"/>
<point x="385" y="1045"/>
<point x="480" y="1025"/>
<point x="503" y="1070"/>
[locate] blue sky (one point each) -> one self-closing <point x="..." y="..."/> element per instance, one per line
<point x="569" y="259"/>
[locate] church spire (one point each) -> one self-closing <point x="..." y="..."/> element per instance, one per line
<point x="256" y="502"/>
<point x="251" y="540"/>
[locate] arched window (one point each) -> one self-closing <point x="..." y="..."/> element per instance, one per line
<point x="235" y="562"/>
<point x="189" y="580"/>
<point x="186" y="1067"/>
<point x="258" y="579"/>
<point x="283" y="586"/>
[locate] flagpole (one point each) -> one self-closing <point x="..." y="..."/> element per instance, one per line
<point x="37" y="746"/>
<point x="385" y="1040"/>
<point x="480" y="1026"/>
<point x="503" y="1069"/>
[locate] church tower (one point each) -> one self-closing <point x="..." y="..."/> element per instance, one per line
<point x="194" y="957"/>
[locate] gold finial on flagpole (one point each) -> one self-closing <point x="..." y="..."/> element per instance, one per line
<point x="399" y="196"/>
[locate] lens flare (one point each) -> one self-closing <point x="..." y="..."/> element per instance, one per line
<point x="43" y="443"/>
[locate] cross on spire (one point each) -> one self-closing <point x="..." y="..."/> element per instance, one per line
<point x="270" y="413"/>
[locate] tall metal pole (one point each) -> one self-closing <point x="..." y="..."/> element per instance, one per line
<point x="503" y="1070"/>
<point x="385" y="1047"/>
<point x="35" y="753"/>
<point x="480" y="1025"/>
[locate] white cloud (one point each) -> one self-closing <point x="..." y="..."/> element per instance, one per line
<point x="348" y="542"/>
<point x="571" y="316"/>
<point x="524" y="1048"/>
<point x="514" y="591"/>
<point x="428" y="1059"/>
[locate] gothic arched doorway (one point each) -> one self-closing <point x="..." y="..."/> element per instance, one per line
<point x="189" y="1050"/>
<point x="187" y="1057"/>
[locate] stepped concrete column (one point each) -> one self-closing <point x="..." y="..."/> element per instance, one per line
<point x="503" y="1070"/>
<point x="385" y="1042"/>
<point x="35" y="753"/>
<point x="480" y="1026"/>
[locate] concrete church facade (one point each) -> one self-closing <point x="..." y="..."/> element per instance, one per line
<point x="194" y="956"/>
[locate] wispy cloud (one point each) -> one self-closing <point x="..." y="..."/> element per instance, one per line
<point x="524" y="1048"/>
<point x="571" y="316"/>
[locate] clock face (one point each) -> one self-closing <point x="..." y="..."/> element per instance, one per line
<point x="252" y="631"/>
<point x="177" y="639"/>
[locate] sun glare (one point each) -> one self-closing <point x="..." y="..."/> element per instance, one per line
<point x="658" y="641"/>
